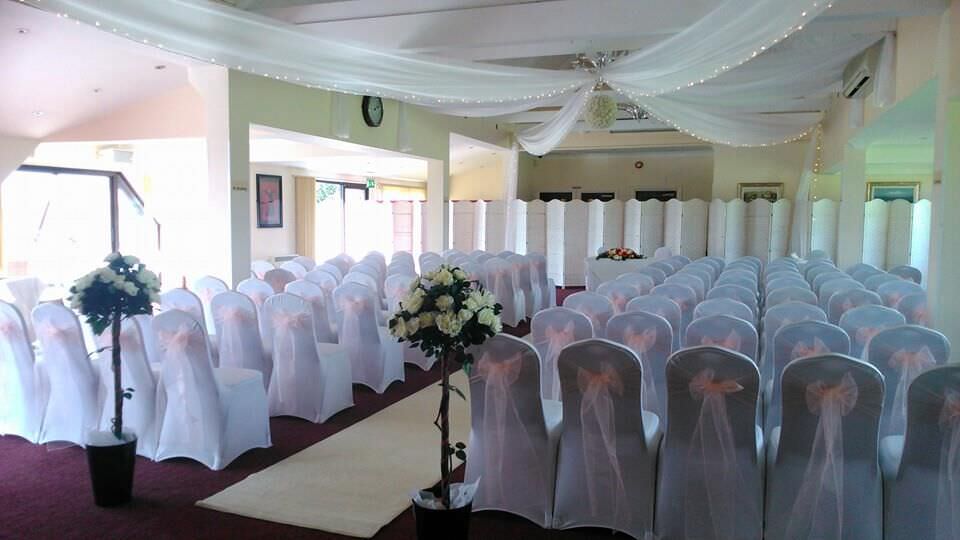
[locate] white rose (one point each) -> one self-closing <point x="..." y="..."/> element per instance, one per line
<point x="488" y="299"/>
<point x="415" y="285"/>
<point x="413" y="324"/>
<point x="398" y="329"/>
<point x="426" y="319"/>
<point x="130" y="260"/>
<point x="451" y="324"/>
<point x="131" y="288"/>
<point x="497" y="326"/>
<point x="487" y="317"/>
<point x="430" y="275"/>
<point x="444" y="277"/>
<point x="413" y="302"/>
<point x="465" y="315"/>
<point x="459" y="274"/>
<point x="445" y="302"/>
<point x="474" y="301"/>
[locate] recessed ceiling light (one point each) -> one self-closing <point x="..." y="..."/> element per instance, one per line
<point x="160" y="67"/>
<point x="38" y="113"/>
<point x="23" y="31"/>
<point x="97" y="90"/>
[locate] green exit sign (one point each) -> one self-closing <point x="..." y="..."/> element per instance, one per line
<point x="371" y="183"/>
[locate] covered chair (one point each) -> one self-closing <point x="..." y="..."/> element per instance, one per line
<point x="294" y="268"/>
<point x="69" y="376"/>
<point x="834" y="286"/>
<point x="513" y="433"/>
<point x="915" y="309"/>
<point x="703" y="271"/>
<point x="893" y="291"/>
<point x="607" y="465"/>
<point x="692" y="281"/>
<point x="902" y="353"/>
<point x="259" y="268"/>
<point x="920" y="469"/>
<point x="779" y="316"/>
<point x="256" y="290"/>
<point x="736" y="292"/>
<point x="862" y="274"/>
<point x="331" y="269"/>
<point x="843" y="301"/>
<point x="595" y="306"/>
<point x="209" y="415"/>
<point x="22" y="398"/>
<point x="724" y="306"/>
<point x="643" y="283"/>
<point x="317" y="298"/>
<point x="650" y="337"/>
<point x="328" y="283"/>
<point x="683" y="296"/>
<point x="823" y="478"/>
<point x="279" y="277"/>
<point x="711" y="463"/>
<point x="864" y="322"/>
<point x="376" y="357"/>
<point x="782" y="295"/>
<point x="524" y="281"/>
<point x="310" y="380"/>
<point x="780" y="281"/>
<point x="240" y="346"/>
<point x="551" y="330"/>
<point x="724" y="331"/>
<point x="306" y="262"/>
<point x="508" y="294"/>
<point x="662" y="252"/>
<point x="907" y="272"/>
<point x="139" y="410"/>
<point x="206" y="288"/>
<point x="619" y="294"/>
<point x="662" y="306"/>
<point x="793" y="341"/>
<point x="874" y="282"/>
<point x="657" y="275"/>
<point x="825" y="277"/>
<point x="395" y="288"/>
<point x="663" y="266"/>
<point x="186" y="301"/>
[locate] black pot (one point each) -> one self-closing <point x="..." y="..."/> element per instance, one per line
<point x="442" y="524"/>
<point x="111" y="472"/>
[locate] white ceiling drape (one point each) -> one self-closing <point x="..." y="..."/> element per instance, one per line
<point x="673" y="79"/>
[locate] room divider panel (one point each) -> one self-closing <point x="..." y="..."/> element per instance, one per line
<point x="536" y="227"/>
<point x="876" y="215"/>
<point x="516" y="233"/>
<point x="717" y="229"/>
<point x="606" y="224"/>
<point x="685" y="227"/>
<point x="555" y="240"/>
<point x="823" y="226"/>
<point x="464" y="236"/>
<point x="495" y="226"/>
<point x="575" y="242"/>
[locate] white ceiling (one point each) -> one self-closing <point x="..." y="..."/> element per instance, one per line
<point x="57" y="73"/>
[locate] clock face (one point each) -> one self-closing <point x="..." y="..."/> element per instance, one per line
<point x="372" y="110"/>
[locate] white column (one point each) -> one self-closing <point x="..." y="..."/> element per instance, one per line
<point x="853" y="192"/>
<point x="437" y="224"/>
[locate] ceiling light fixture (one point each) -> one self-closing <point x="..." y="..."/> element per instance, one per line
<point x="160" y="67"/>
<point x="38" y="113"/>
<point x="23" y="31"/>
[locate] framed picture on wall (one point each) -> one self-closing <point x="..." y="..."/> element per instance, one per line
<point x="269" y="201"/>
<point x="601" y="195"/>
<point x="771" y="191"/>
<point x="892" y="191"/>
<point x="656" y="194"/>
<point x="547" y="196"/>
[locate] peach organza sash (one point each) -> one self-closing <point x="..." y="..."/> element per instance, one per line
<point x="818" y="510"/>
<point x="641" y="342"/>
<point x="909" y="364"/>
<point x="556" y="341"/>
<point x="604" y="477"/>
<point x="948" y="483"/>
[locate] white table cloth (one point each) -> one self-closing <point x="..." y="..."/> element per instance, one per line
<point x="601" y="270"/>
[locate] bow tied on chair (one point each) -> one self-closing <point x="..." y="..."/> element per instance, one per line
<point x="9" y="329"/>
<point x="909" y="365"/>
<point x="498" y="376"/>
<point x="599" y="438"/>
<point x="948" y="483"/>
<point x="818" y="509"/>
<point x="641" y="342"/>
<point x="704" y="386"/>
<point x="176" y="342"/>
<point x="235" y="314"/>
<point x="258" y="298"/>
<point x="289" y="321"/>
<point x="803" y="349"/>
<point x="865" y="334"/>
<point x="556" y="341"/>
<point x="731" y="341"/>
<point x="54" y="333"/>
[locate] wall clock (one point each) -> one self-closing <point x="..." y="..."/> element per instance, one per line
<point x="372" y="108"/>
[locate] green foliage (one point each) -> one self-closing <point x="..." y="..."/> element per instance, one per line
<point x="124" y="287"/>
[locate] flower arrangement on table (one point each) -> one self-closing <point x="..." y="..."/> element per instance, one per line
<point x="444" y="314"/>
<point x="619" y="254"/>
<point x="106" y="296"/>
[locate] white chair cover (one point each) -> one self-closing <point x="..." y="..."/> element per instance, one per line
<point x="513" y="433"/>
<point x="823" y="479"/>
<point x="811" y="270"/>
<point x="595" y="306"/>
<point x="294" y="268"/>
<point x="206" y="288"/>
<point x="782" y="315"/>
<point x="395" y="288"/>
<point x="723" y="306"/>
<point x="834" y="286"/>
<point x="606" y="470"/>
<point x="915" y="309"/>
<point x="259" y="268"/>
<point x="746" y="283"/>
<point x="739" y="272"/>
<point x="551" y="330"/>
<point x="907" y="272"/>
<point x="501" y="283"/>
<point x="238" y="333"/>
<point x="149" y="338"/>
<point x="864" y="322"/>
<point x="874" y="282"/>
<point x="68" y="375"/>
<point x="800" y="339"/>
<point x="331" y="269"/>
<point x="662" y="252"/>
<point x="306" y="262"/>
<point x="538" y="275"/>
<point x="892" y="292"/>
<point x="658" y="275"/>
<point x="650" y="337"/>
<point x="684" y="297"/>
<point x="524" y="280"/>
<point x="902" y="353"/>
<point x="703" y="271"/>
<point x="921" y="491"/>
<point x="643" y="283"/>
<point x="662" y="306"/>
<point x="711" y="464"/>
<point x="186" y="301"/>
<point x="206" y="414"/>
<point x="619" y="294"/>
<point x="317" y="298"/>
<point x="716" y="262"/>
<point x="256" y="290"/>
<point x="862" y="274"/>
<point x="691" y="281"/>
<point x="860" y="266"/>
<point x="662" y="266"/>
<point x="776" y="272"/>
<point x="343" y="262"/>
<point x="309" y="380"/>
<point x="843" y="301"/>
<point x="724" y="331"/>
<point x="328" y="283"/>
<point x="824" y="277"/>
<point x="782" y="281"/>
<point x="139" y="410"/>
<point x="783" y="295"/>
<point x="371" y="270"/>
<point x="279" y="277"/>
<point x="364" y="279"/>
<point x="736" y="292"/>
<point x="22" y="398"/>
<point x="376" y="357"/>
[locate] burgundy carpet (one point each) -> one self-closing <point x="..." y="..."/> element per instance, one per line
<point x="46" y="493"/>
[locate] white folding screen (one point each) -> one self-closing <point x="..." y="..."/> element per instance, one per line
<point x="651" y="226"/>
<point x="463" y="237"/>
<point x="516" y="233"/>
<point x="685" y="227"/>
<point x="735" y="227"/>
<point x="495" y="230"/>
<point x="595" y="226"/>
<point x="876" y="216"/>
<point x="632" y="231"/>
<point x="479" y="224"/>
<point x="672" y="223"/>
<point x="920" y="239"/>
<point x="899" y="232"/>
<point x="536" y="227"/>
<point x="613" y="223"/>
<point x="403" y="230"/>
<point x="780" y="217"/>
<point x="554" y="244"/>
<point x="717" y="229"/>
<point x="823" y="226"/>
<point x="575" y="241"/>
<point x="758" y="228"/>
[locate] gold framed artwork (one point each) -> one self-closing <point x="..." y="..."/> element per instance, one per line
<point x="892" y="191"/>
<point x="771" y="191"/>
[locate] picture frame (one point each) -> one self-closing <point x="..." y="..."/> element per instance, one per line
<point x="749" y="191"/>
<point x="893" y="191"/>
<point x="547" y="196"/>
<point x="658" y="194"/>
<point x="603" y="196"/>
<point x="269" y="201"/>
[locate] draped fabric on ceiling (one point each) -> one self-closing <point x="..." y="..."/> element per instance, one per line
<point x="672" y="79"/>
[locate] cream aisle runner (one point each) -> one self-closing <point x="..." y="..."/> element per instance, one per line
<point x="359" y="479"/>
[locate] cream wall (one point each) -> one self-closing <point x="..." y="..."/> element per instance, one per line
<point x="479" y="183"/>
<point x="779" y="163"/>
<point x="689" y="171"/>
<point x="270" y="243"/>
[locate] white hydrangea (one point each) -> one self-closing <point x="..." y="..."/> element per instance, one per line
<point x="474" y="301"/>
<point x="488" y="318"/>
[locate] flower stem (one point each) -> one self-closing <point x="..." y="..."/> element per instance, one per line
<point x="445" y="461"/>
<point x="117" y="383"/>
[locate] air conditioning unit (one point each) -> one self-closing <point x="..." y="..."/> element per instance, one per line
<point x="859" y="74"/>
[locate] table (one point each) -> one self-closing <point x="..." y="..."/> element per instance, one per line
<point x="602" y="270"/>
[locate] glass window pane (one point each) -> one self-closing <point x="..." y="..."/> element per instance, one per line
<point x="329" y="221"/>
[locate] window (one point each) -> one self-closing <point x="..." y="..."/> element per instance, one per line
<point x="547" y="196"/>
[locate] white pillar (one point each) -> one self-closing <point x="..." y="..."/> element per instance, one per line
<point x="853" y="187"/>
<point x="437" y="218"/>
